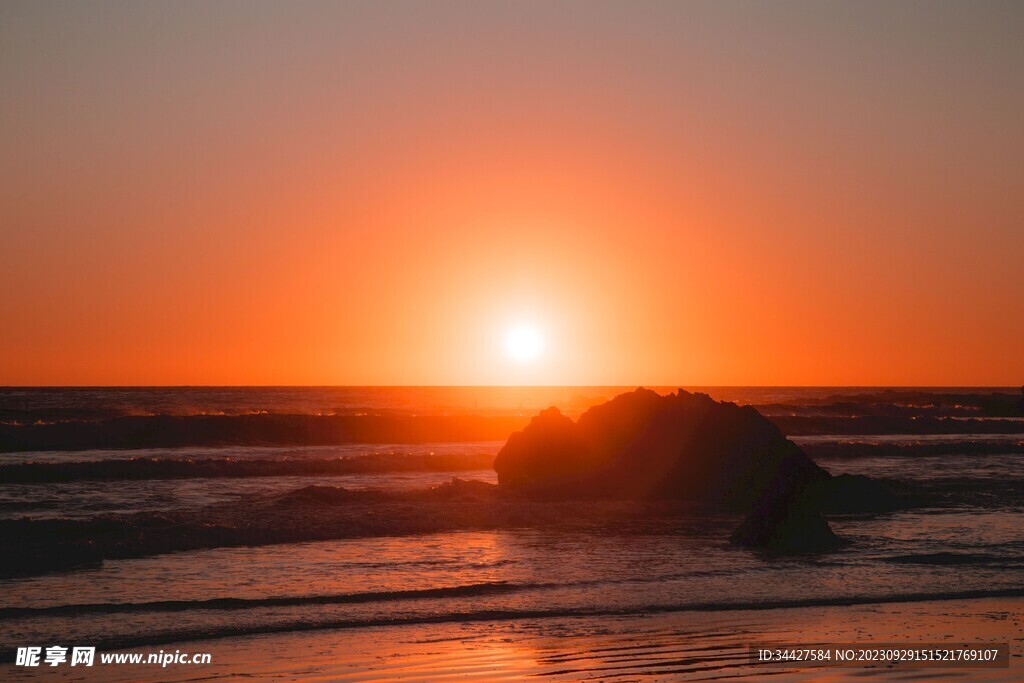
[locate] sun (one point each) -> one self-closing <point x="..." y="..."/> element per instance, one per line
<point x="524" y="343"/>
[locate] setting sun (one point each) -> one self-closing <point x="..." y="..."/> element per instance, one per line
<point x="524" y="343"/>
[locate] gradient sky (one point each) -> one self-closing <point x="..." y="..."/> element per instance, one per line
<point x="373" y="193"/>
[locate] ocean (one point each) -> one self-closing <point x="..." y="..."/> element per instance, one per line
<point x="366" y="519"/>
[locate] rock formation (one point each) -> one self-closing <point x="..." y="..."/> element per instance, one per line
<point x="643" y="445"/>
<point x="683" y="446"/>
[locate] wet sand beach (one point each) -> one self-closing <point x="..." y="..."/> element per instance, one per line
<point x="680" y="646"/>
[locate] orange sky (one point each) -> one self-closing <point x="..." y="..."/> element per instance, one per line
<point x="373" y="193"/>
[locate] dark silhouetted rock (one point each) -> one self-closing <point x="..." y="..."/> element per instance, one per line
<point x="548" y="452"/>
<point x="684" y="446"/>
<point x="786" y="525"/>
<point x="642" y="445"/>
<point x="792" y="522"/>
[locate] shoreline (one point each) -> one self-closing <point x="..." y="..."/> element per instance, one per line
<point x="674" y="646"/>
<point x="171" y="638"/>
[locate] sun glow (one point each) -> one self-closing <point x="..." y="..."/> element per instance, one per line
<point x="524" y="343"/>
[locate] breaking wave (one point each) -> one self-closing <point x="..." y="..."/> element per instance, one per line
<point x="210" y="468"/>
<point x="314" y="624"/>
